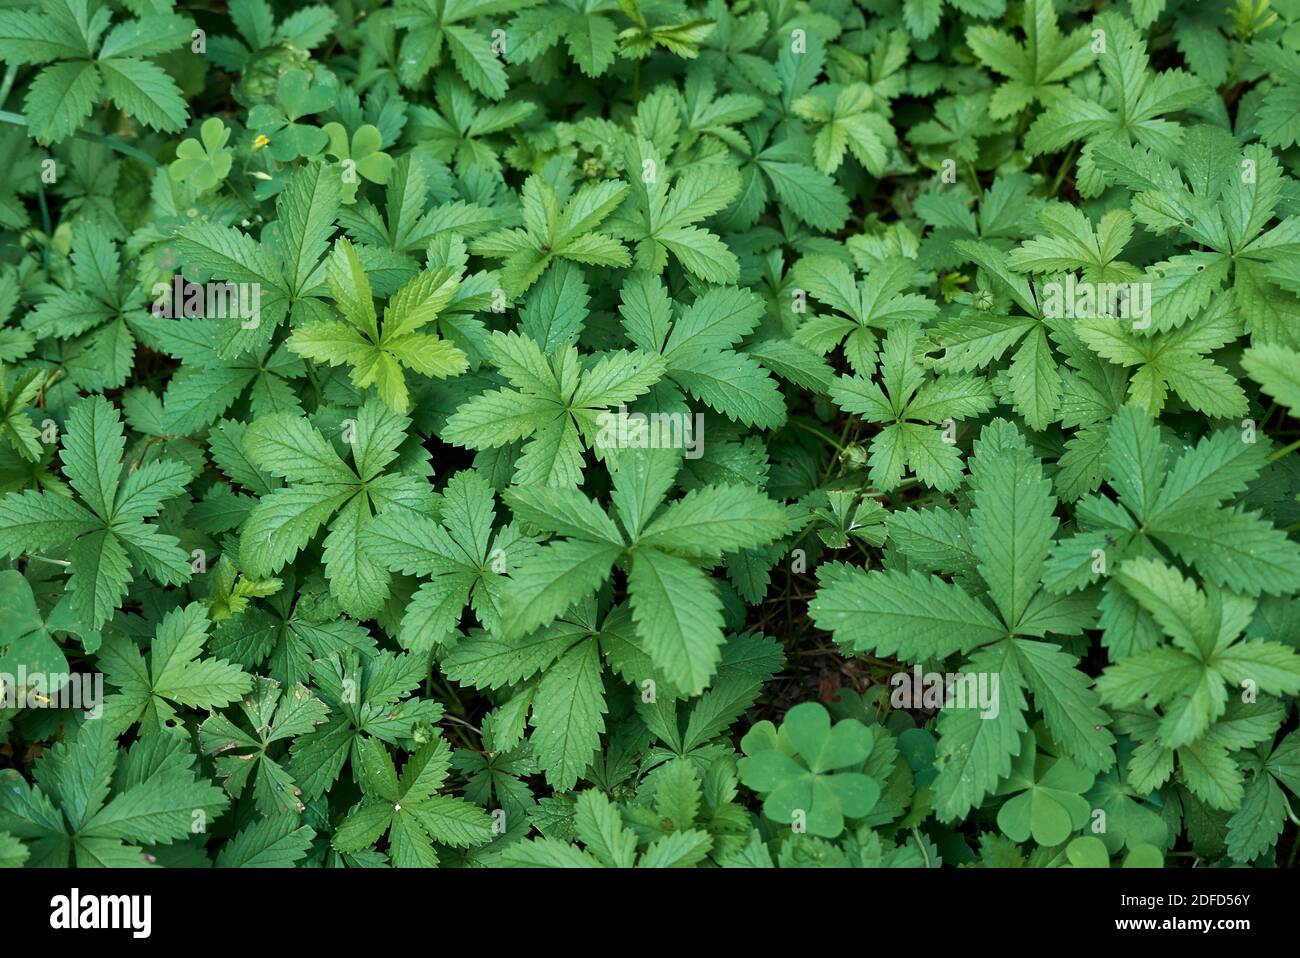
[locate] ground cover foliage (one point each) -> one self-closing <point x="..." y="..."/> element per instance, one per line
<point x="592" y="432"/>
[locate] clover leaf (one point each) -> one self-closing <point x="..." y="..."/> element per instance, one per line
<point x="807" y="771"/>
<point x="296" y="97"/>
<point x="363" y="157"/>
<point x="207" y="163"/>
<point x="1088" y="851"/>
<point x="1047" y="802"/>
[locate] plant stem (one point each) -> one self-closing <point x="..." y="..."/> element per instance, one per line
<point x="1290" y="812"/>
<point x="925" y="855"/>
<point x="827" y="437"/>
<point x="112" y="142"/>
<point x="45" y="225"/>
<point x="11" y="73"/>
<point x="1065" y="165"/>
<point x="1236" y="62"/>
<point x="315" y="385"/>
<point x="1284" y="450"/>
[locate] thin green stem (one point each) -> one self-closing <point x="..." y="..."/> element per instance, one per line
<point x="315" y="385"/>
<point x="816" y="432"/>
<point x="840" y="446"/>
<point x="925" y="855"/>
<point x="1290" y="812"/>
<point x="112" y="142"/>
<point x="8" y="83"/>
<point x="1284" y="450"/>
<point x="1065" y="166"/>
<point x="45" y="225"/>
<point x="1236" y="62"/>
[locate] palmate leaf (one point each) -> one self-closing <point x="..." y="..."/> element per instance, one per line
<point x="925" y="619"/>
<point x="878" y="303"/>
<point x="1190" y="678"/>
<point x="173" y="675"/>
<point x="914" y="408"/>
<point x="90" y="65"/>
<point x="467" y="563"/>
<point x="981" y="337"/>
<point x="95" y="804"/>
<point x="552" y="387"/>
<point x="377" y="352"/>
<point x="109" y="533"/>
<point x="553" y="231"/>
<point x="1034" y="69"/>
<point x="283" y="264"/>
<point x="609" y="843"/>
<point x="555" y="404"/>
<point x="1181" y="508"/>
<point x="697" y="347"/>
<point x="369" y="699"/>
<point x="433" y="30"/>
<point x="322" y="491"/>
<point x="409" y="808"/>
<point x="587" y="31"/>
<point x="663" y="209"/>
<point x="1173" y="362"/>
<point x="273" y="718"/>
<point x="1240" y="248"/>
<point x="848" y="121"/>
<point x="255" y="23"/>
<point x="1133" y="102"/>
<point x="559" y="674"/>
<point x="674" y="604"/>
<point x="97" y="312"/>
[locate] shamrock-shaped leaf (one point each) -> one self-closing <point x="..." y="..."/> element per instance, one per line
<point x="1089" y="851"/>
<point x="296" y="97"/>
<point x="205" y="163"/>
<point x="807" y="771"/>
<point x="362" y="157"/>
<point x="1046" y="802"/>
